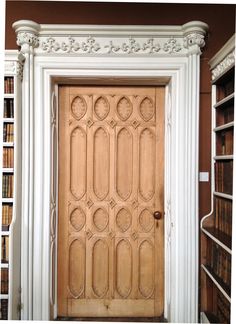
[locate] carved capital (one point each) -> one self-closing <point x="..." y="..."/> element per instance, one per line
<point x="194" y="39"/>
<point x="27" y="38"/>
<point x="27" y="34"/>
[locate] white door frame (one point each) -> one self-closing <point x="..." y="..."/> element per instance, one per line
<point x="167" y="55"/>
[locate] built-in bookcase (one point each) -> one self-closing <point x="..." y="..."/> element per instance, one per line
<point x="10" y="179"/>
<point x="216" y="228"/>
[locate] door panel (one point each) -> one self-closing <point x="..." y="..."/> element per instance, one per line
<point x="111" y="170"/>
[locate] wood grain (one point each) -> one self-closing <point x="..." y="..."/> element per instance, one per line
<point x="111" y="180"/>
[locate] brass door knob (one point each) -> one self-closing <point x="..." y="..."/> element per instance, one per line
<point x="157" y="215"/>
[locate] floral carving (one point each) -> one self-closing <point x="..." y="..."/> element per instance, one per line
<point x="153" y="48"/>
<point x="27" y="38"/>
<point x="224" y="65"/>
<point x="19" y="70"/>
<point x="171" y="46"/>
<point x="89" y="46"/>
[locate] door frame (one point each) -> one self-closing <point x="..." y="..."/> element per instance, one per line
<point x="56" y="54"/>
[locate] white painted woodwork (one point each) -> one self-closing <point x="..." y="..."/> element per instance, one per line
<point x="153" y="55"/>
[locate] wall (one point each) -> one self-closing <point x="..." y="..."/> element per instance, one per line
<point x="220" y="18"/>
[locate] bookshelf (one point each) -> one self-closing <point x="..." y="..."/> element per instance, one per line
<point x="10" y="179"/>
<point x="216" y="227"/>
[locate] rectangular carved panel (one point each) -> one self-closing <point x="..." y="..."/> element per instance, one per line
<point x="111" y="166"/>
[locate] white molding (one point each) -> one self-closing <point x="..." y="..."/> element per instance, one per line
<point x="223" y="60"/>
<point x="179" y="70"/>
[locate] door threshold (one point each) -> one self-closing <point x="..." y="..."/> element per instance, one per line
<point x="114" y="319"/>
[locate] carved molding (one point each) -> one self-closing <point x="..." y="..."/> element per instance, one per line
<point x="50" y="45"/>
<point x="106" y="40"/>
<point x="19" y="70"/>
<point x="130" y="46"/>
<point x="172" y="46"/>
<point x="223" y="65"/>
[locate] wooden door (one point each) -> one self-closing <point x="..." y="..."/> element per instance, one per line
<point x="111" y="170"/>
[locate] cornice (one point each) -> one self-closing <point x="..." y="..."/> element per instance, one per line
<point x="223" y="66"/>
<point x="111" y="40"/>
<point x="223" y="60"/>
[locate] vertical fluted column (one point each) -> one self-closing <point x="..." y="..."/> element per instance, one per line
<point x="27" y="39"/>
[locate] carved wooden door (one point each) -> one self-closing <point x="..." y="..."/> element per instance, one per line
<point x="111" y="161"/>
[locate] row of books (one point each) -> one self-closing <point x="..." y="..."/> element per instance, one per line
<point x="220" y="264"/>
<point x="8" y="132"/>
<point x="223" y="309"/>
<point x="8" y="157"/>
<point x="7" y="185"/>
<point x="6" y="216"/>
<point x="224" y="142"/>
<point x="8" y="108"/>
<point x="3" y="309"/>
<point x="5" y="249"/>
<point x="223" y="215"/>
<point x="224" y="177"/>
<point x="4" y="281"/>
<point x="8" y="85"/>
<point x="224" y="116"/>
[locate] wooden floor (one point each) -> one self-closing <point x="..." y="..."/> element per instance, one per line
<point x="115" y="319"/>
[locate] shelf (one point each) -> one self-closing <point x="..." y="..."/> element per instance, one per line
<point x="9" y="95"/>
<point x="4" y="266"/>
<point x="223" y="157"/>
<point x="7" y="200"/>
<point x="8" y="144"/>
<point x="221" y="286"/>
<point x="3" y="296"/>
<point x="219" y="237"/>
<point x="7" y="170"/>
<point x="222" y="195"/>
<point x="223" y="127"/>
<point x="8" y="120"/>
<point x="4" y="233"/>
<point x="223" y="102"/>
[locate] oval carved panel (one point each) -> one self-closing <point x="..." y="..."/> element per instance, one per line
<point x="147" y="164"/>
<point x="78" y="107"/>
<point x="77" y="218"/>
<point x="147" y="109"/>
<point x="100" y="219"/>
<point x="78" y="152"/>
<point x="123" y="220"/>
<point x="124" y="108"/>
<point x="146" y="269"/>
<point x="101" y="167"/>
<point x="146" y="220"/>
<point x="76" y="268"/>
<point x="123" y="268"/>
<point x="101" y="108"/>
<point x="124" y="167"/>
<point x="100" y="268"/>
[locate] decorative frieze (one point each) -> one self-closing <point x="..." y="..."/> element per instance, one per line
<point x="223" y="65"/>
<point x="91" y="45"/>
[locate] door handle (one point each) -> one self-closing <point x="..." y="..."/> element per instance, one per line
<point x="157" y="215"/>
